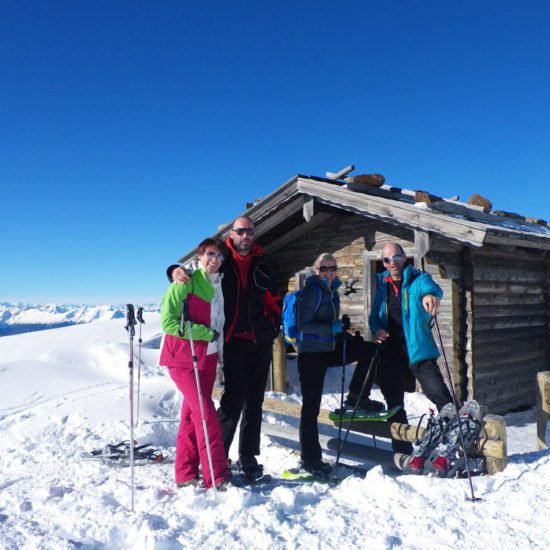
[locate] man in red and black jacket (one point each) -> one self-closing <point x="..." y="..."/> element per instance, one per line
<point x="252" y="307"/>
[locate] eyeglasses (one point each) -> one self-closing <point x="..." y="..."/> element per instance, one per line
<point x="395" y="258"/>
<point x="325" y="268"/>
<point x="244" y="230"/>
<point x="213" y="255"/>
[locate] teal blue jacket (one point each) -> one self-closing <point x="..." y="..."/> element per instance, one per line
<point x="416" y="320"/>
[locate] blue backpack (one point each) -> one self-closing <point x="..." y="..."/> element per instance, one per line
<point x="290" y="316"/>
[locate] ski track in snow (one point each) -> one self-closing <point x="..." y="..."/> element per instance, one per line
<point x="66" y="392"/>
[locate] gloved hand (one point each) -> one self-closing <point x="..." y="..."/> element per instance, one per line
<point x="215" y="335"/>
<point x="337" y="327"/>
<point x="346" y="322"/>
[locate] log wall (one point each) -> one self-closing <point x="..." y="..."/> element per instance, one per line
<point x="510" y="326"/>
<point x="449" y="265"/>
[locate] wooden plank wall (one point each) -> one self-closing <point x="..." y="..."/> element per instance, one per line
<point x="510" y="325"/>
<point x="449" y="263"/>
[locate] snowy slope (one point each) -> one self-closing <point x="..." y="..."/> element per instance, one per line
<point x="16" y="318"/>
<point x="65" y="391"/>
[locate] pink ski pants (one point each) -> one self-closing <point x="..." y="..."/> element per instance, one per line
<point x="190" y="442"/>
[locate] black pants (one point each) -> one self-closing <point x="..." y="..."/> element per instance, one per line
<point x="392" y="384"/>
<point x="245" y="369"/>
<point x="312" y="368"/>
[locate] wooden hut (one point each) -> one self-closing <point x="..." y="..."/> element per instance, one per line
<point x="494" y="268"/>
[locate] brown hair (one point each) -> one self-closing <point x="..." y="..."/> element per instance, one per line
<point x="209" y="242"/>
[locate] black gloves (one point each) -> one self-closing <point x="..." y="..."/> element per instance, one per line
<point x="346" y="322"/>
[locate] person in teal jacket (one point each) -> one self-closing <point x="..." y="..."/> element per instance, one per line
<point x="400" y="320"/>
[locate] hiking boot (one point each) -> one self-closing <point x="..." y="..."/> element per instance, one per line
<point x="441" y="466"/>
<point x="192" y="482"/>
<point x="250" y="468"/>
<point x="316" y="467"/>
<point x="366" y="405"/>
<point x="222" y="484"/>
<point x="415" y="466"/>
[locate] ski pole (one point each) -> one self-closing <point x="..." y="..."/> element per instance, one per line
<point x="373" y="364"/>
<point x="130" y="323"/>
<point x="186" y="320"/>
<point x="474" y="498"/>
<point x="139" y="316"/>
<point x="341" y="419"/>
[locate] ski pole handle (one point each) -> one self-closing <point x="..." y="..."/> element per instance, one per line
<point x="130" y="319"/>
<point x="140" y="315"/>
<point x="185" y="317"/>
<point x="185" y="311"/>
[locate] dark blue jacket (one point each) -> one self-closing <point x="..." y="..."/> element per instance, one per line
<point x="318" y="306"/>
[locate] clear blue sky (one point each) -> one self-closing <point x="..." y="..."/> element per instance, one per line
<point x="130" y="130"/>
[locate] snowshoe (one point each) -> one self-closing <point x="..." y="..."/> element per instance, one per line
<point x="448" y="458"/>
<point x="247" y="471"/>
<point x="422" y="448"/>
<point x="119" y="454"/>
<point x="193" y="482"/>
<point x="310" y="470"/>
<point x="362" y="415"/>
<point x="368" y="405"/>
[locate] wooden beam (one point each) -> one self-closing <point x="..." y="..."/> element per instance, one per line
<point x="487" y="447"/>
<point x="543" y="410"/>
<point x="495" y="428"/>
<point x="297" y="232"/>
<point x="421" y="243"/>
<point x="279" y="365"/>
<point x="308" y="210"/>
<point x="513" y="239"/>
<point x="279" y="215"/>
<point x="399" y="213"/>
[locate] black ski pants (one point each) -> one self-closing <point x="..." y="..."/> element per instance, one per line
<point x="312" y="368"/>
<point x="245" y="368"/>
<point x="392" y="384"/>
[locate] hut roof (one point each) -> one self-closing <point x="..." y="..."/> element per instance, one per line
<point x="280" y="216"/>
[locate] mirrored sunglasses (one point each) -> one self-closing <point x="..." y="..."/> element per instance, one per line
<point x="395" y="258"/>
<point x="213" y="255"/>
<point x="325" y="268"/>
<point x="242" y="230"/>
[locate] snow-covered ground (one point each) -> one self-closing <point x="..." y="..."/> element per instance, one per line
<point x="16" y="317"/>
<point x="65" y="391"/>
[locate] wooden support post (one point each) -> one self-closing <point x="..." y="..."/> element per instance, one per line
<point x="279" y="365"/>
<point x="495" y="428"/>
<point x="543" y="410"/>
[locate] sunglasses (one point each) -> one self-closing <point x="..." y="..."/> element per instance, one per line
<point x="395" y="258"/>
<point x="325" y="268"/>
<point x="213" y="255"/>
<point x="244" y="230"/>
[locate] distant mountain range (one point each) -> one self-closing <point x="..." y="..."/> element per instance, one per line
<point x="18" y="317"/>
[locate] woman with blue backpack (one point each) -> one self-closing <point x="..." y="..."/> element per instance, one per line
<point x="320" y="345"/>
